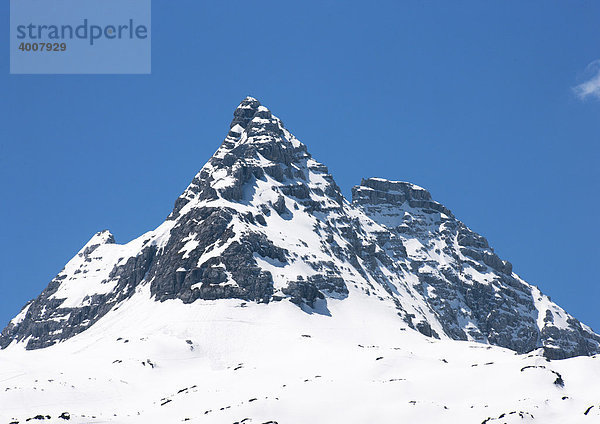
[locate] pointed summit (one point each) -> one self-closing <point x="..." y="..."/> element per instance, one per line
<point x="245" y="112"/>
<point x="257" y="145"/>
<point x="253" y="123"/>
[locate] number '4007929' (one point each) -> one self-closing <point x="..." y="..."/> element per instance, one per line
<point x="48" y="47"/>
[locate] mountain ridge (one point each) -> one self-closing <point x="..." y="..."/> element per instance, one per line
<point x="263" y="221"/>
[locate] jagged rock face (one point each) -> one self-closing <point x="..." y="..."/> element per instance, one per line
<point x="227" y="220"/>
<point x="68" y="305"/>
<point x="263" y="221"/>
<point x="474" y="293"/>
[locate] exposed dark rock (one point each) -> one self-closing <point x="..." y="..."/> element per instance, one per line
<point x="449" y="287"/>
<point x="302" y="291"/>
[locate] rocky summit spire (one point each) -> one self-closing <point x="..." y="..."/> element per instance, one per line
<point x="257" y="144"/>
<point x="245" y="112"/>
<point x="255" y="124"/>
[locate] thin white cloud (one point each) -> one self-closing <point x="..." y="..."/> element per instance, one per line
<point x="591" y="87"/>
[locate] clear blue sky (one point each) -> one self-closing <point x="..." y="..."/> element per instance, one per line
<point x="472" y="100"/>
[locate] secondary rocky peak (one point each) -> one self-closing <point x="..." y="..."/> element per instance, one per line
<point x="102" y="237"/>
<point x="386" y="193"/>
<point x="98" y="239"/>
<point x="390" y="191"/>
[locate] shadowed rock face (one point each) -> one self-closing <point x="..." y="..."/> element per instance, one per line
<point x="263" y="221"/>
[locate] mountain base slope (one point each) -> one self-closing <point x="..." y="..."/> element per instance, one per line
<point x="231" y="361"/>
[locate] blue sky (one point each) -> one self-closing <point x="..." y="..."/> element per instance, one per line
<point x="475" y="101"/>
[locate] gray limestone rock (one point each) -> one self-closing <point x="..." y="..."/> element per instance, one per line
<point x="473" y="292"/>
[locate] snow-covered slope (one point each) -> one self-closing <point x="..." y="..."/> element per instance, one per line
<point x="227" y="361"/>
<point x="264" y="276"/>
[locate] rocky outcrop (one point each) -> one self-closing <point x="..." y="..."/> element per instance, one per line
<point x="474" y="293"/>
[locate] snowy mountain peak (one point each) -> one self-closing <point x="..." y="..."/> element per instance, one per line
<point x="264" y="222"/>
<point x="474" y="293"/>
<point x="265" y="291"/>
<point x="100" y="238"/>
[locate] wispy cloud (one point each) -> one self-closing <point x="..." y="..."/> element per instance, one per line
<point x="590" y="87"/>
